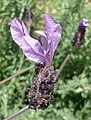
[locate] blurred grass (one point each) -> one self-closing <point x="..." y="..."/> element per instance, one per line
<point x="72" y="96"/>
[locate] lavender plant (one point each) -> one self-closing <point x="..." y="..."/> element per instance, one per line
<point x="72" y="96"/>
<point x="41" y="91"/>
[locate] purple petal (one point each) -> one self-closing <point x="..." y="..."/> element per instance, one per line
<point x="18" y="30"/>
<point x="33" y="49"/>
<point x="41" y="32"/>
<point x="54" y="32"/>
<point x="44" y="40"/>
<point x="84" y="22"/>
<point x="53" y="29"/>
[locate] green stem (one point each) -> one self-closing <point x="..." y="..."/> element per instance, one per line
<point x="63" y="65"/>
<point x="17" y="113"/>
<point x="15" y="75"/>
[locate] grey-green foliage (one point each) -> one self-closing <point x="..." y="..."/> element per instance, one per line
<point x="72" y="96"/>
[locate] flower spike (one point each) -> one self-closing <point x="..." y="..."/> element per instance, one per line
<point x="80" y="33"/>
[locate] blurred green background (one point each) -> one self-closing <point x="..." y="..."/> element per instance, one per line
<point x="72" y="95"/>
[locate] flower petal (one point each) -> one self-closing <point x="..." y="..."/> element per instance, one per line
<point x="44" y="40"/>
<point x="54" y="32"/>
<point x="33" y="50"/>
<point x="41" y="32"/>
<point x="18" y="30"/>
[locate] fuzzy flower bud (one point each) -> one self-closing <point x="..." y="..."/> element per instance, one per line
<point x="80" y="33"/>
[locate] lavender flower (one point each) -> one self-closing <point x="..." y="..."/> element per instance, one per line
<point x="41" y="90"/>
<point x="80" y="33"/>
<point x="31" y="47"/>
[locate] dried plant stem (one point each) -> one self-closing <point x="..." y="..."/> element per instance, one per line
<point x="61" y="67"/>
<point x="16" y="74"/>
<point x="17" y="113"/>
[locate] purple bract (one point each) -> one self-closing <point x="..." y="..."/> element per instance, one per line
<point x="33" y="50"/>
